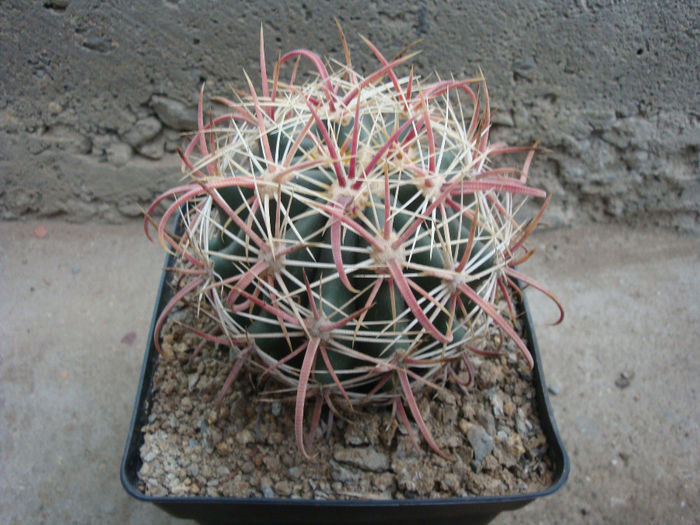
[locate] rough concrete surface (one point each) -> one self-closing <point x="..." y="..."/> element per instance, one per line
<point x="94" y="95"/>
<point x="75" y="306"/>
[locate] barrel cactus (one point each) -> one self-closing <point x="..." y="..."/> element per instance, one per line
<point x="350" y="234"/>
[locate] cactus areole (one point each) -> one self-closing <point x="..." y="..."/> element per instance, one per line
<point x="349" y="234"/>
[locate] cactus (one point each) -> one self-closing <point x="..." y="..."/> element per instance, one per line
<point x="350" y="234"/>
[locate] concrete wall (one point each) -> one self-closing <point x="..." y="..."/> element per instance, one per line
<point x="94" y="94"/>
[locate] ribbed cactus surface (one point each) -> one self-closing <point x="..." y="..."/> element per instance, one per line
<point x="349" y="232"/>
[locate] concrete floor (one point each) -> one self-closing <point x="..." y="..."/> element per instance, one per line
<point x="75" y="307"/>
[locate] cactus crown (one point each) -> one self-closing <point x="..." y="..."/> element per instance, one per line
<point x="349" y="233"/>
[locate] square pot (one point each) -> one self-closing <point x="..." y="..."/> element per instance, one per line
<point x="463" y="510"/>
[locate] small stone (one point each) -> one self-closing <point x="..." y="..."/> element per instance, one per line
<point x="451" y="441"/>
<point x="283" y="488"/>
<point x="487" y="420"/>
<point x="384" y="482"/>
<point x="362" y="457"/>
<point x="496" y="403"/>
<point x="143" y="131"/>
<point x="523" y="63"/>
<point x="481" y="442"/>
<point x="624" y="379"/>
<point x="75" y="270"/>
<point x="414" y="475"/>
<point x="268" y="492"/>
<point x="244" y="437"/>
<point x="215" y="436"/>
<point x="624" y="457"/>
<point x="54" y="108"/>
<point x="57" y="4"/>
<point x="522" y="425"/>
<point x="174" y="113"/>
<point x="509" y="408"/>
<point x="179" y="489"/>
<point x="118" y="154"/>
<point x="554" y="389"/>
<point x="222" y="448"/>
<point x="451" y="483"/>
<point x="153" y="149"/>
<point x="97" y="43"/>
<point x="130" y="209"/>
<point x="342" y="473"/>
<point x="355" y="437"/>
<point x="192" y="381"/>
<point x="276" y="408"/>
<point x="501" y="118"/>
<point x="186" y="404"/>
<point x="514" y="446"/>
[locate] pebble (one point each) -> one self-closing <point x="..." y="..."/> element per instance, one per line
<point x="496" y="403"/>
<point x="342" y="473"/>
<point x="276" y="408"/>
<point x="174" y="113"/>
<point x="118" y="154"/>
<point x="186" y="404"/>
<point x="283" y="488"/>
<point x="153" y="149"/>
<point x="487" y="420"/>
<point x="514" y="446"/>
<point x="355" y="437"/>
<point x="245" y="437"/>
<point x="522" y="425"/>
<point x="57" y="4"/>
<point x="384" y="481"/>
<point x="54" y="108"/>
<point x="143" y="131"/>
<point x="481" y="442"/>
<point x="268" y="492"/>
<point x="624" y="379"/>
<point x="97" y="43"/>
<point x="362" y="457"/>
<point x="554" y="389"/>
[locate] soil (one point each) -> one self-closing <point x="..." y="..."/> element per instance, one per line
<point x="246" y="447"/>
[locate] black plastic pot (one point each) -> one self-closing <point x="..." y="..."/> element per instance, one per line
<point x="471" y="510"/>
